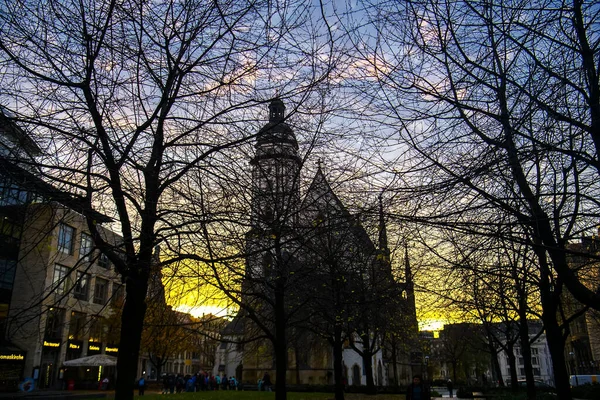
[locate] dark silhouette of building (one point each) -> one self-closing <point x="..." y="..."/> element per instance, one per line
<point x="295" y="238"/>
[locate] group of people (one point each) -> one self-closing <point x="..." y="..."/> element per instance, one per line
<point x="419" y="390"/>
<point x="200" y="381"/>
<point x="265" y="383"/>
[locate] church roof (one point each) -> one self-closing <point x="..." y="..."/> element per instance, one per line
<point x="234" y="327"/>
<point x="320" y="199"/>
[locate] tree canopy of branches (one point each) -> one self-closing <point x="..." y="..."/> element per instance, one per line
<point x="134" y="101"/>
<point x="497" y="109"/>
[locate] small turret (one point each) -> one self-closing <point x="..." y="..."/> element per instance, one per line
<point x="383" y="241"/>
<point x="276" y="110"/>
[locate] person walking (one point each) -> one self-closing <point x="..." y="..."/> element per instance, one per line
<point x="450" y="387"/>
<point x="418" y="390"/>
<point x="266" y="381"/>
<point x="141" y="386"/>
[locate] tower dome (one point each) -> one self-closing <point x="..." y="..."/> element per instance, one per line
<point x="276" y="130"/>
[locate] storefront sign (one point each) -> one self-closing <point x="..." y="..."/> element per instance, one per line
<point x="12" y="357"/>
<point x="94" y="348"/>
<point x="111" y="349"/>
<point x="51" y="344"/>
<point x="74" y="345"/>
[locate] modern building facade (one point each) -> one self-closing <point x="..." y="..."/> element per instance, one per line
<point x="582" y="349"/>
<point x="56" y="289"/>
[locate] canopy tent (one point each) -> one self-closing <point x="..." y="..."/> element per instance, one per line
<point x="92" y="361"/>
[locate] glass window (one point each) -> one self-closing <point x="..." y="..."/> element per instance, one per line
<point x="82" y="286"/>
<point x="85" y="247"/>
<point x="12" y="195"/>
<point x="77" y="326"/>
<point x="61" y="279"/>
<point x="54" y="323"/>
<point x="66" y="235"/>
<point x="7" y="273"/>
<point x="534" y="351"/>
<point x="100" y="291"/>
<point x="103" y="261"/>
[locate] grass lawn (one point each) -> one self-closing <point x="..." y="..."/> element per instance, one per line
<point x="243" y="395"/>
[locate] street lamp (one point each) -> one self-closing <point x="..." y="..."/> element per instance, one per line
<point x="427" y="368"/>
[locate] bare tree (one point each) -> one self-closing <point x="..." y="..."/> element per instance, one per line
<point x="134" y="100"/>
<point x="498" y="104"/>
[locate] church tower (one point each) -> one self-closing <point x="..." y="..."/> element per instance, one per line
<point x="275" y="189"/>
<point x="275" y="174"/>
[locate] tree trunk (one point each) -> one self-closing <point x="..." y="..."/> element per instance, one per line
<point x="280" y="343"/>
<point x="554" y="336"/>
<point x="556" y="344"/>
<point x="371" y="389"/>
<point x="496" y="370"/>
<point x="454" y="370"/>
<point x="132" y="323"/>
<point x="368" y="362"/>
<point x="337" y="363"/>
<point x="395" y="362"/>
<point x="297" y="356"/>
<point x="512" y="364"/>
<point x="526" y="353"/>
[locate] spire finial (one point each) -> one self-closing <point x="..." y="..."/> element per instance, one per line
<point x="407" y="271"/>
<point x="383" y="241"/>
<point x="276" y="110"/>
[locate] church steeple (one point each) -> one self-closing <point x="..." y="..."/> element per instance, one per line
<point x="409" y="288"/>
<point x="407" y="271"/>
<point x="383" y="240"/>
<point x="275" y="173"/>
<point x="383" y="249"/>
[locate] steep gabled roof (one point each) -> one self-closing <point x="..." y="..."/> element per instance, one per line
<point x="320" y="199"/>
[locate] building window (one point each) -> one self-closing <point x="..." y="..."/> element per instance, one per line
<point x="12" y="195"/>
<point x="76" y="325"/>
<point x="85" y="247"/>
<point x="66" y="235"/>
<point x="100" y="291"/>
<point x="118" y="293"/>
<point x="61" y="279"/>
<point x="7" y="273"/>
<point x="534" y="361"/>
<point x="103" y="261"/>
<point x="54" y="323"/>
<point x="537" y="372"/>
<point x="534" y="351"/>
<point x="82" y="286"/>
